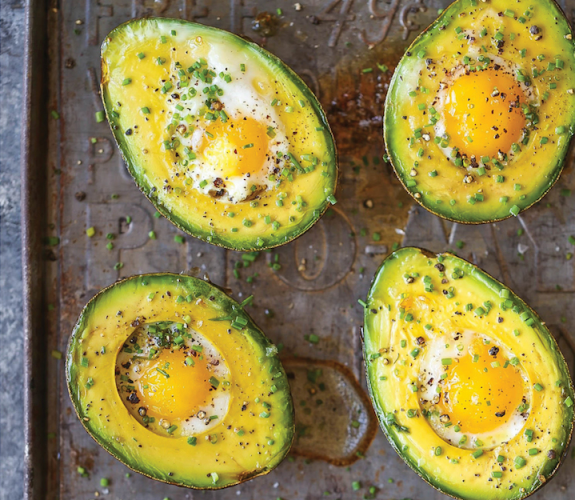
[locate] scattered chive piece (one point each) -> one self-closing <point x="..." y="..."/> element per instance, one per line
<point x="477" y="453"/>
<point x="99" y="116"/>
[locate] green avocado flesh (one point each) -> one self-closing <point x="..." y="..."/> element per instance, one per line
<point x="468" y="383"/>
<point x="173" y="378"/>
<point x="225" y="140"/>
<point x="481" y="109"/>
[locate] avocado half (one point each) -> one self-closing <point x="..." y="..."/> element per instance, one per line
<point x="118" y="382"/>
<point x="481" y="109"/>
<point x="177" y="96"/>
<point x="468" y="383"/>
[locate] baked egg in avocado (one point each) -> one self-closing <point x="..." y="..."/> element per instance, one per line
<point x="227" y="142"/>
<point x="468" y="383"/>
<point x="481" y="109"/>
<point x="173" y="378"/>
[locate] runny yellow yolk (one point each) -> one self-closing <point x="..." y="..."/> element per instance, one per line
<point x="178" y="395"/>
<point x="480" y="115"/>
<point x="238" y="147"/>
<point x="474" y="392"/>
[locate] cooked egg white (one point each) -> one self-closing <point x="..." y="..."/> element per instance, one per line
<point x="229" y="138"/>
<point x="173" y="380"/>
<point x="474" y="390"/>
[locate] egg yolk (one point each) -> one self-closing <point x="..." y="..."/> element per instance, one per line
<point x="169" y="388"/>
<point x="237" y="147"/>
<point x="478" y="396"/>
<point x="482" y="113"/>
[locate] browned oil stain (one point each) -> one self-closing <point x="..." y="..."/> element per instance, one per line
<point x="265" y="24"/>
<point x="308" y="393"/>
<point x="353" y="95"/>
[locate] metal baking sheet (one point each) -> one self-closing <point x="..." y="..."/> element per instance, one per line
<point x="74" y="178"/>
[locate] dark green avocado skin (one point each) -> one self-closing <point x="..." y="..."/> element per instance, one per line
<point x="225" y="309"/>
<point x="187" y="222"/>
<point x="399" y="263"/>
<point x="396" y="146"/>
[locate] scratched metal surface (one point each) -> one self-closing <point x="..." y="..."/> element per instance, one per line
<point x="328" y="42"/>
